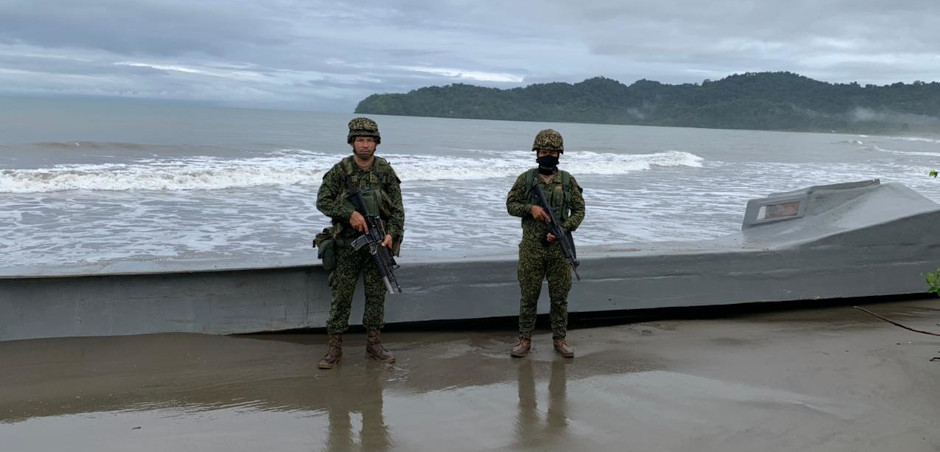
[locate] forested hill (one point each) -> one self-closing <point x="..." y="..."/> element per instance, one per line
<point x="765" y="100"/>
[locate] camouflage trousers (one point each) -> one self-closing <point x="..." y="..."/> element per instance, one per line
<point x="538" y="262"/>
<point x="350" y="263"/>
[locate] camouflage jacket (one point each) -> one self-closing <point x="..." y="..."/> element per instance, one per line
<point x="519" y="203"/>
<point x="331" y="198"/>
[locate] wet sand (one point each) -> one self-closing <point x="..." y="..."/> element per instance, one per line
<point x="833" y="379"/>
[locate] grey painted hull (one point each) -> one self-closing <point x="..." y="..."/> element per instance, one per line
<point x="850" y="240"/>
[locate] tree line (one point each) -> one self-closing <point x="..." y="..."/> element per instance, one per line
<point x="761" y="100"/>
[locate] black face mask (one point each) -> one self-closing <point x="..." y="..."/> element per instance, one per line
<point x="548" y="164"/>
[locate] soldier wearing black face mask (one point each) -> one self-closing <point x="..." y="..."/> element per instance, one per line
<point x="540" y="255"/>
<point x="548" y="163"/>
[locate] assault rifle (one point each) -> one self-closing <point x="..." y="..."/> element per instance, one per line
<point x="374" y="238"/>
<point x="554" y="227"/>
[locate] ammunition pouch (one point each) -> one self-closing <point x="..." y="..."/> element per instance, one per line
<point x="326" y="249"/>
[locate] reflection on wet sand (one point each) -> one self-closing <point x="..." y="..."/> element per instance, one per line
<point x="357" y="392"/>
<point x="530" y="430"/>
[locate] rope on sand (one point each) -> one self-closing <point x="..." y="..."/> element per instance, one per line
<point x="936" y="358"/>
<point x="896" y="323"/>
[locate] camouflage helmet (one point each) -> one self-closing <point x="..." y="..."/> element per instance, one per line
<point x="363" y="127"/>
<point x="548" y="139"/>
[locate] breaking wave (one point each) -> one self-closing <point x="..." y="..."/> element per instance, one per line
<point x="291" y="167"/>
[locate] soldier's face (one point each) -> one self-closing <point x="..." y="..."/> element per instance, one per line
<point x="544" y="152"/>
<point x="363" y="147"/>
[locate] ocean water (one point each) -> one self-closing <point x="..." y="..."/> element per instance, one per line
<point x="90" y="182"/>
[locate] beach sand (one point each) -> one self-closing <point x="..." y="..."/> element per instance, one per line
<point x="832" y="379"/>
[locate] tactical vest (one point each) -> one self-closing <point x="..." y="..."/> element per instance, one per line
<point x="372" y="188"/>
<point x="559" y="198"/>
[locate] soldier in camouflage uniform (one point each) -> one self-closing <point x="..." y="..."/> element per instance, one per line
<point x="381" y="191"/>
<point x="540" y="255"/>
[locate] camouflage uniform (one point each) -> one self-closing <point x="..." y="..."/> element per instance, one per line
<point x="381" y="182"/>
<point x="539" y="260"/>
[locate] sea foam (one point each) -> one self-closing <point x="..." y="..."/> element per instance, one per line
<point x="291" y="167"/>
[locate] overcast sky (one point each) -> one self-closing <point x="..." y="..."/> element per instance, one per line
<point x="328" y="55"/>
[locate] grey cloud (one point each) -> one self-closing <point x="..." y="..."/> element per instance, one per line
<point x="148" y="27"/>
<point x="331" y="54"/>
<point x="612" y="27"/>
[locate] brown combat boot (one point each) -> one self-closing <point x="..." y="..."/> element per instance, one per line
<point x="375" y="350"/>
<point x="334" y="354"/>
<point x="521" y="348"/>
<point x="562" y="347"/>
